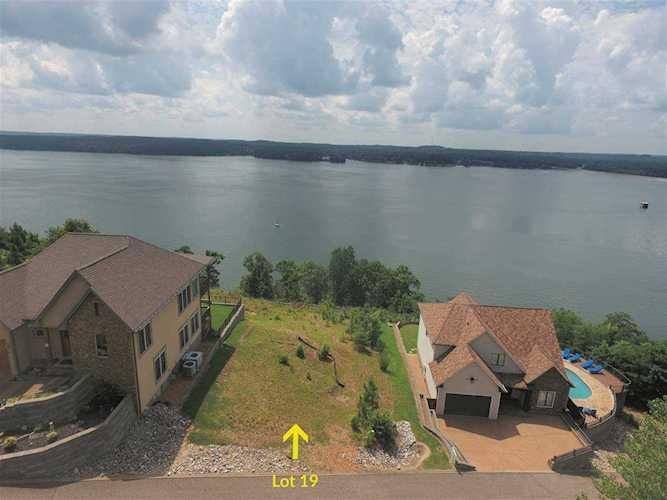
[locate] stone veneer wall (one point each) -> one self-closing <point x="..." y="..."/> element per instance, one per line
<point x="549" y="381"/>
<point x="58" y="460"/>
<point x="84" y="325"/>
<point x="61" y="407"/>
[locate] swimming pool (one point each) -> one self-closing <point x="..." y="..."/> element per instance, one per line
<point x="580" y="389"/>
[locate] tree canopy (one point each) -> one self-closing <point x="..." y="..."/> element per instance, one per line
<point x="259" y="280"/>
<point x="643" y="463"/>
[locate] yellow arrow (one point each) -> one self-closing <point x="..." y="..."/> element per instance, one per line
<point x="295" y="432"/>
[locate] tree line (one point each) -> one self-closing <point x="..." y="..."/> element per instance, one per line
<point x="346" y="281"/>
<point x="619" y="341"/>
<point x="436" y="156"/>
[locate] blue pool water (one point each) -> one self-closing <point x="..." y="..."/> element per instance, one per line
<point x="580" y="389"/>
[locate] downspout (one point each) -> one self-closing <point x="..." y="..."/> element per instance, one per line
<point x="14" y="354"/>
<point x="136" y="373"/>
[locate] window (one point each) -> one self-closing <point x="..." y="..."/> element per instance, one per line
<point x="195" y="287"/>
<point x="184" y="336"/>
<point x="546" y="399"/>
<point x="194" y="323"/>
<point x="101" y="346"/>
<point x="500" y="359"/>
<point x="160" y="364"/>
<point x="96" y="306"/>
<point x="184" y="298"/>
<point x="39" y="333"/>
<point x="145" y="338"/>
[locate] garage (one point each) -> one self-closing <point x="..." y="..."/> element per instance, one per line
<point x="466" y="404"/>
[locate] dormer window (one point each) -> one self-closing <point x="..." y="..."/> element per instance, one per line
<point x="499" y="359"/>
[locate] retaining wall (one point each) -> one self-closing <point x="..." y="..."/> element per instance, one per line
<point x="60" y="407"/>
<point x="58" y="460"/>
<point x="578" y="460"/>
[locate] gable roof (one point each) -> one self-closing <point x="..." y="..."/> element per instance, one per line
<point x="527" y="334"/>
<point x="132" y="277"/>
<point x="455" y="361"/>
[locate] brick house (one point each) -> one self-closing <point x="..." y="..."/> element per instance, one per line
<point x="113" y="305"/>
<point x="480" y="359"/>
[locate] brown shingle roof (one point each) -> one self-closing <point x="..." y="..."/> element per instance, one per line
<point x="201" y="259"/>
<point x="132" y="277"/>
<point x="528" y="334"/>
<point x="459" y="358"/>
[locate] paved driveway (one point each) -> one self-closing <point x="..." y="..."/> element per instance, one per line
<point x="511" y="443"/>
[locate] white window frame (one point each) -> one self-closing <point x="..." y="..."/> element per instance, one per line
<point x="194" y="324"/>
<point x="500" y="360"/>
<point x="543" y="399"/>
<point x="184" y="298"/>
<point x="184" y="335"/>
<point x="162" y="356"/>
<point x="105" y="353"/>
<point x="145" y="336"/>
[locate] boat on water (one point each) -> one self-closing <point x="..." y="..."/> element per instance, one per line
<point x="643" y="204"/>
<point x="276" y="224"/>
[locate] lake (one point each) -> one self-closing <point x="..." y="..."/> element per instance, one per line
<point x="572" y="239"/>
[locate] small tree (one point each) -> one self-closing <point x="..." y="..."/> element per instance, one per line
<point x="300" y="352"/>
<point x="365" y="329"/>
<point x="376" y="427"/>
<point x="384" y="361"/>
<point x="259" y="280"/>
<point x="643" y="464"/>
<point x="212" y="271"/>
<point x="325" y="353"/>
<point x="283" y="360"/>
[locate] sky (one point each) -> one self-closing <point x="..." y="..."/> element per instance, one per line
<point x="564" y="75"/>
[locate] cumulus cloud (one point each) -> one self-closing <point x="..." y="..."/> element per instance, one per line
<point x="543" y="73"/>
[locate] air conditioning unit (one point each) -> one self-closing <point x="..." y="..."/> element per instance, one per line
<point x="196" y="356"/>
<point x="190" y="368"/>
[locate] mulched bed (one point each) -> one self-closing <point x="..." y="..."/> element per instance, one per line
<point x="31" y="440"/>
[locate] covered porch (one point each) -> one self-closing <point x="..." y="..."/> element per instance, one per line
<point x="34" y="349"/>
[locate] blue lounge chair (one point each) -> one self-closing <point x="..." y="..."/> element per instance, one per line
<point x="566" y="353"/>
<point x="587" y="364"/>
<point x="574" y="358"/>
<point x="589" y="411"/>
<point x="596" y="369"/>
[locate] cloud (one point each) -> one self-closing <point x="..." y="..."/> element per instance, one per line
<point x="546" y="74"/>
<point x="111" y="28"/>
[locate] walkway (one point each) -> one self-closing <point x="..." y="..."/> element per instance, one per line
<point x="471" y="486"/>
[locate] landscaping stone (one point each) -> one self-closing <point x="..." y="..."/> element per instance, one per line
<point x="216" y="459"/>
<point x="405" y="453"/>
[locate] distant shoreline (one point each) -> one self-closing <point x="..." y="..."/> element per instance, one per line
<point x="432" y="156"/>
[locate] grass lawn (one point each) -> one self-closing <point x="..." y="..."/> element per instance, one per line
<point x="219" y="314"/>
<point x="404" y="403"/>
<point x="255" y="399"/>
<point x="409" y="334"/>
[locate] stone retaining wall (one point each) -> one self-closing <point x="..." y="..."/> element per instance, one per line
<point x="60" y="407"/>
<point x="578" y="460"/>
<point x="58" y="460"/>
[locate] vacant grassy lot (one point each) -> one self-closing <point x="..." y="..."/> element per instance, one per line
<point x="409" y="334"/>
<point x="255" y="399"/>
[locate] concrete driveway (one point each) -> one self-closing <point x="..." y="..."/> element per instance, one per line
<point x="511" y="443"/>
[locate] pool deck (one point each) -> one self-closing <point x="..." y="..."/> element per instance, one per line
<point x="602" y="397"/>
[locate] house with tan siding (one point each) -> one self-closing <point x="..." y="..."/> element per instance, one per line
<point x="481" y="359"/>
<point x="112" y="305"/>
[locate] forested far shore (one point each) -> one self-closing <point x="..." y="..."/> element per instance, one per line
<point x="431" y="156"/>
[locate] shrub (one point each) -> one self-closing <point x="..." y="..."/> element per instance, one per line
<point x="365" y="329"/>
<point x="51" y="437"/>
<point x="283" y="360"/>
<point x="384" y="361"/>
<point x="300" y="352"/>
<point x="9" y="444"/>
<point x="325" y="353"/>
<point x="384" y="431"/>
<point x="106" y="398"/>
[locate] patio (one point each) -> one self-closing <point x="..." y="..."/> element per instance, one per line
<point x="510" y="443"/>
<point x="36" y="386"/>
<point x="602" y="392"/>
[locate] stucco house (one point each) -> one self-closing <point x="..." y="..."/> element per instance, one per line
<point x="481" y="359"/>
<point x="112" y="305"/>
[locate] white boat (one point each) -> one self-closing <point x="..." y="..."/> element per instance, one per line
<point x="276" y="224"/>
<point x="644" y="204"/>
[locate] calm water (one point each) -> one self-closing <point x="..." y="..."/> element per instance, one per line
<point x="531" y="238"/>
